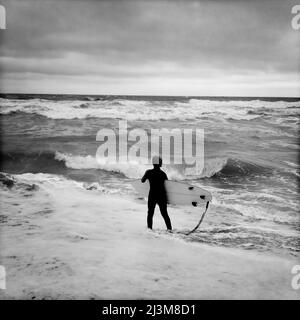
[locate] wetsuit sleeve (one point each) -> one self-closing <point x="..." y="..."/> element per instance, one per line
<point x="145" y="177"/>
<point x="166" y="177"/>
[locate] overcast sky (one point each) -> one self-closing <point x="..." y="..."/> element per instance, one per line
<point x="231" y="48"/>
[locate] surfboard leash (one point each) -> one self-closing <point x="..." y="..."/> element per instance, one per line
<point x="200" y="221"/>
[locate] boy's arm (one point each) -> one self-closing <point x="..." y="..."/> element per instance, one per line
<point x="145" y="177"/>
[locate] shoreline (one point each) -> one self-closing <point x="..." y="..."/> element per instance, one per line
<point x="71" y="243"/>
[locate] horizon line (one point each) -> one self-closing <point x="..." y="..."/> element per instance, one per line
<point x="147" y="95"/>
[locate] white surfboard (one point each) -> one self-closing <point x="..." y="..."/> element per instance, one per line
<point x="178" y="193"/>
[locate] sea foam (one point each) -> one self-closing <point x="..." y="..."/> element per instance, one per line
<point x="149" y="110"/>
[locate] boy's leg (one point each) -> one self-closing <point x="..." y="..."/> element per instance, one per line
<point x="151" y="207"/>
<point x="164" y="213"/>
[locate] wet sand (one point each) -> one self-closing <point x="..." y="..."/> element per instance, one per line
<point x="61" y="241"/>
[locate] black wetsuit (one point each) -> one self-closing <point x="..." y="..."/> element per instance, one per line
<point x="157" y="195"/>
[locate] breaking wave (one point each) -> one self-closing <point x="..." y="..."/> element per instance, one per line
<point x="57" y="161"/>
<point x="152" y="110"/>
<point x="136" y="170"/>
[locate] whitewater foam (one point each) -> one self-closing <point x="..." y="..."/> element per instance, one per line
<point x="53" y="181"/>
<point x="44" y="179"/>
<point x="137" y="169"/>
<point x="151" y="110"/>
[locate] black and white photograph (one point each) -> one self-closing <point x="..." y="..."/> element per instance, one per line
<point x="149" y="151"/>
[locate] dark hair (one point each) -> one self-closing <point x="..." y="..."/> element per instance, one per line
<point x="157" y="161"/>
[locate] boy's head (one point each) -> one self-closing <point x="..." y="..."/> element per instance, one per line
<point x="157" y="162"/>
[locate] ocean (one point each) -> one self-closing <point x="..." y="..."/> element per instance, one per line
<point x="251" y="157"/>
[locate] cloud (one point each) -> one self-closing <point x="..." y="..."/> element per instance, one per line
<point x="178" y="41"/>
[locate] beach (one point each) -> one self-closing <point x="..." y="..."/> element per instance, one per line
<point x="74" y="227"/>
<point x="111" y="108"/>
<point x="66" y="242"/>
